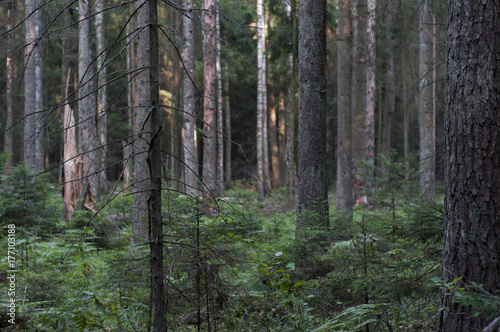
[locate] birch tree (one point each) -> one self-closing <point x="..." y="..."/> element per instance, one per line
<point x="261" y="102"/>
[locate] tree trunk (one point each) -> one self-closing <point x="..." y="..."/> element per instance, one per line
<point x="88" y="142"/>
<point x="274" y="145"/>
<point x="370" y="90"/>
<point x="10" y="70"/>
<point x="101" y="97"/>
<point x="33" y="89"/>
<point x="261" y="90"/>
<point x="345" y="194"/>
<point x="390" y="93"/>
<point x="220" y="116"/>
<point x="209" y="100"/>
<point x="426" y="116"/>
<point x="131" y="107"/>
<point x="189" y="104"/>
<point x="227" y="118"/>
<point x="312" y="161"/>
<point x="472" y="131"/>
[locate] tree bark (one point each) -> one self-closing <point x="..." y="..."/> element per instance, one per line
<point x="370" y="90"/>
<point x="87" y="105"/>
<point x="131" y="107"/>
<point x="426" y="116"/>
<point x="101" y="94"/>
<point x="189" y="104"/>
<point x="261" y="90"/>
<point x="312" y="161"/>
<point x="209" y="100"/>
<point x="33" y="89"/>
<point x="227" y="118"/>
<point x="345" y="194"/>
<point x="220" y="115"/>
<point x="472" y="176"/>
<point x="10" y="70"/>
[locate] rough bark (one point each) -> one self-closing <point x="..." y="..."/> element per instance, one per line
<point x="261" y="89"/>
<point x="426" y="117"/>
<point x="389" y="93"/>
<point x="33" y="89"/>
<point x="220" y="116"/>
<point x="189" y="104"/>
<point x="227" y="118"/>
<point x="209" y="174"/>
<point x="131" y="107"/>
<point x="101" y="94"/>
<point x="472" y="131"/>
<point x="370" y="90"/>
<point x="87" y="106"/>
<point x="345" y="194"/>
<point x="312" y="161"/>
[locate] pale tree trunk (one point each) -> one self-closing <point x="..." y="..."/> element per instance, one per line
<point x="10" y="70"/>
<point x="291" y="107"/>
<point x="345" y="194"/>
<point x="426" y="117"/>
<point x="70" y="162"/>
<point x="189" y="104"/>
<point x="261" y="89"/>
<point x="209" y="100"/>
<point x="274" y="145"/>
<point x="220" y="116"/>
<point x="265" y="113"/>
<point x="87" y="106"/>
<point x="312" y="160"/>
<point x="390" y="93"/>
<point x="369" y="136"/>
<point x="471" y="248"/>
<point x="227" y="118"/>
<point x="33" y="89"/>
<point x="131" y="107"/>
<point x="101" y="95"/>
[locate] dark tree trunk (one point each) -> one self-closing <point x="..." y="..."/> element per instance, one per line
<point x="312" y="161"/>
<point x="472" y="128"/>
<point x="345" y="195"/>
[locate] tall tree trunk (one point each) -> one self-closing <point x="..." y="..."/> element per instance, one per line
<point x="274" y="145"/>
<point x="369" y="136"/>
<point x="101" y="97"/>
<point x="131" y="108"/>
<point x="312" y="161"/>
<point x="261" y="91"/>
<point x="33" y="89"/>
<point x="426" y="116"/>
<point x="220" y="115"/>
<point x="87" y="106"/>
<point x="10" y="70"/>
<point x="227" y="118"/>
<point x="291" y="108"/>
<point x="209" y="100"/>
<point x="472" y="176"/>
<point x="345" y="194"/>
<point x="390" y="92"/>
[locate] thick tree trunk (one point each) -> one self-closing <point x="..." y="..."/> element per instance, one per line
<point x="312" y="161"/>
<point x="189" y="104"/>
<point x="426" y="116"/>
<point x="390" y="93"/>
<point x="209" y="100"/>
<point x="33" y="89"/>
<point x="87" y="105"/>
<point x="101" y="97"/>
<point x="472" y="129"/>
<point x="345" y="194"/>
<point x="370" y="90"/>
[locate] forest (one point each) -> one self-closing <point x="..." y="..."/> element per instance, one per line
<point x="259" y="165"/>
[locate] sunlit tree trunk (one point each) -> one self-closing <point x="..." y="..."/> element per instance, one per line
<point x="209" y="100"/>
<point x="274" y="145"/>
<point x="220" y="116"/>
<point x="33" y="89"/>
<point x="426" y="103"/>
<point x="87" y="106"/>
<point x="189" y="104"/>
<point x="472" y="172"/>
<point x="261" y="91"/>
<point x="345" y="194"/>
<point x="312" y="161"/>
<point x="101" y="97"/>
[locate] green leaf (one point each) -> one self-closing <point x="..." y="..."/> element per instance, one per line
<point x="298" y="284"/>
